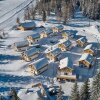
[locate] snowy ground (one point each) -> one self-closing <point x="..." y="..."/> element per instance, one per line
<point x="14" y="71"/>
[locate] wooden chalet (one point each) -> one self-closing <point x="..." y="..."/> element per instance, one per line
<point x="45" y="33"/>
<point x="30" y="54"/>
<point x="67" y="35"/>
<point x="58" y="28"/>
<point x="33" y="38"/>
<point x="81" y="41"/>
<point x="87" y="60"/>
<point x="90" y="49"/>
<point x="39" y="66"/>
<point x="65" y="45"/>
<point x="52" y="55"/>
<point x="27" y="25"/>
<point x="20" y="46"/>
<point x="66" y="66"/>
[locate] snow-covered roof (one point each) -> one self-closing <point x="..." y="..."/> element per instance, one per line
<point x="48" y="31"/>
<point x="31" y="51"/>
<point x="40" y="63"/>
<point x="34" y="36"/>
<point x="83" y="39"/>
<point x="90" y="46"/>
<point x="60" y="26"/>
<point x="28" y="24"/>
<point x="66" y="62"/>
<point x="21" y="44"/>
<point x="67" y="43"/>
<point x="68" y="33"/>
<point x="56" y="51"/>
<point x="87" y="57"/>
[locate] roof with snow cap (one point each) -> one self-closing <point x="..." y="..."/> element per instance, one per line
<point x="56" y="51"/>
<point x="40" y="63"/>
<point x="90" y="46"/>
<point x="60" y="26"/>
<point x="83" y="39"/>
<point x="67" y="43"/>
<point x="34" y="36"/>
<point x="28" y="24"/>
<point x="66" y="62"/>
<point x="31" y="51"/>
<point x="87" y="57"/>
<point x="21" y="44"/>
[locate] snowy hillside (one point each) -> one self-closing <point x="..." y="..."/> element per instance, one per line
<point x="14" y="72"/>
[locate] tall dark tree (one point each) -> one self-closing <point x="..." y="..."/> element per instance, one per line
<point x="85" y="91"/>
<point x="95" y="89"/>
<point x="59" y="95"/>
<point x="75" y="92"/>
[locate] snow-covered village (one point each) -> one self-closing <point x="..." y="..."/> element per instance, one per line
<point x="49" y="49"/>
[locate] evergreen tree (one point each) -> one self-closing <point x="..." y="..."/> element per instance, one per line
<point x="95" y="89"/>
<point x="18" y="20"/>
<point x="85" y="91"/>
<point x="1" y="97"/>
<point x="75" y="92"/>
<point x="44" y="15"/>
<point x="59" y="95"/>
<point x="14" y="94"/>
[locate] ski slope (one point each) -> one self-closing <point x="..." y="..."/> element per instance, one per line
<point x="9" y="14"/>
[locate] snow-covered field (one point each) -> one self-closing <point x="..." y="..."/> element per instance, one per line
<point x="14" y="71"/>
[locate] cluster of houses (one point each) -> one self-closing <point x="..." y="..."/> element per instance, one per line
<point x="31" y="50"/>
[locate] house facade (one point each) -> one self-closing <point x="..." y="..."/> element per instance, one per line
<point x="30" y="54"/>
<point x="20" y="46"/>
<point x="90" y="49"/>
<point x="33" y="38"/>
<point x="52" y="55"/>
<point x="45" y="33"/>
<point x="81" y="41"/>
<point x="87" y="60"/>
<point x="67" y="35"/>
<point x="58" y="28"/>
<point x="39" y="66"/>
<point x="65" y="46"/>
<point x="27" y="25"/>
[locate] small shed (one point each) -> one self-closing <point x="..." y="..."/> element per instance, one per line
<point x="90" y="49"/>
<point x="67" y="35"/>
<point x="39" y="66"/>
<point x="33" y="38"/>
<point x="27" y="25"/>
<point x="30" y="54"/>
<point x="58" y="28"/>
<point x="66" y="66"/>
<point x="45" y="33"/>
<point x="52" y="56"/>
<point x="81" y="41"/>
<point x="87" y="60"/>
<point x="20" y="46"/>
<point x="65" y="45"/>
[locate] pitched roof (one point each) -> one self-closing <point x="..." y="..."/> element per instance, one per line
<point x="66" y="62"/>
<point x="34" y="36"/>
<point x="31" y="51"/>
<point x="21" y="44"/>
<point x="67" y="43"/>
<point x="28" y="24"/>
<point x="87" y="57"/>
<point x="56" y="51"/>
<point x="90" y="46"/>
<point x="60" y="26"/>
<point x="40" y="63"/>
<point x="67" y="32"/>
<point x="83" y="39"/>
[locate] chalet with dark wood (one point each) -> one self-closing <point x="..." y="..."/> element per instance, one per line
<point x="87" y="60"/>
<point x="90" y="49"/>
<point x="52" y="55"/>
<point x="33" y="38"/>
<point x="27" y="25"/>
<point x="58" y="28"/>
<point x="65" y="45"/>
<point x="81" y="41"/>
<point x="39" y="66"/>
